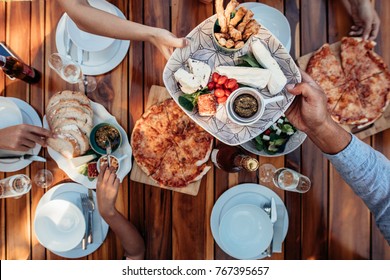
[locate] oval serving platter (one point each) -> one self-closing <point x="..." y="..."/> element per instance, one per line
<point x="202" y="47"/>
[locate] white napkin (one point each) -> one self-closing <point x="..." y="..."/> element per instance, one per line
<point x="278" y="229"/>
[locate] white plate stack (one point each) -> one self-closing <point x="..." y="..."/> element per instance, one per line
<point x="95" y="54"/>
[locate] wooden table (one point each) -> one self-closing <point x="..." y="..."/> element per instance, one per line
<point x="329" y="222"/>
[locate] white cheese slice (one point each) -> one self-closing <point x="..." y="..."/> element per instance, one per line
<point x="194" y="80"/>
<point x="253" y="77"/>
<point x="277" y="80"/>
<point x="201" y="70"/>
<point x="78" y="161"/>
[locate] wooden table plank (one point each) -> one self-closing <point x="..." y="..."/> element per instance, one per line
<point x="37" y="98"/>
<point x="18" y="245"/>
<point x="158" y="211"/>
<point x="312" y="239"/>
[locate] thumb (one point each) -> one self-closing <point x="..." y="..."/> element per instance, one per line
<point x="303" y="89"/>
<point x="179" y="42"/>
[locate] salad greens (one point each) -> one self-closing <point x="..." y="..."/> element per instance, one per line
<point x="274" y="139"/>
<point x="248" y="60"/>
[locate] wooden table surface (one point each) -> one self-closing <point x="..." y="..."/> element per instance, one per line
<point x="328" y="222"/>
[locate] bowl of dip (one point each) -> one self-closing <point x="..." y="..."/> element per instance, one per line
<point x="246" y="105"/>
<point x="103" y="133"/>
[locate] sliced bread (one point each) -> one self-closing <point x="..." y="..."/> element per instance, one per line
<point x="65" y="144"/>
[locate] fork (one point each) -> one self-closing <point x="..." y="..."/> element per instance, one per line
<point x="84" y="204"/>
<point x="267" y="209"/>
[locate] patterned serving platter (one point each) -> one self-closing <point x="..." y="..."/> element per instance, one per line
<point x="202" y="47"/>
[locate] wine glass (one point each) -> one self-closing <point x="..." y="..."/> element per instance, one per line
<point x="43" y="178"/>
<point x="71" y="72"/>
<point x="285" y="178"/>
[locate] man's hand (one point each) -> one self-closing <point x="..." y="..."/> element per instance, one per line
<point x="23" y="137"/>
<point x="308" y="112"/>
<point x="107" y="191"/>
<point x="365" y="18"/>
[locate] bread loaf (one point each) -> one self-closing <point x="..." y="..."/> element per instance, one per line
<point x="70" y="118"/>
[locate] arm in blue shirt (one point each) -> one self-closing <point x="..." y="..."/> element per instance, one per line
<point x="367" y="172"/>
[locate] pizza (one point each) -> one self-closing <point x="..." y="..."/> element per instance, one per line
<point x="357" y="83"/>
<point x="169" y="147"/>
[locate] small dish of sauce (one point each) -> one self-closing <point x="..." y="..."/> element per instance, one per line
<point x="245" y="105"/>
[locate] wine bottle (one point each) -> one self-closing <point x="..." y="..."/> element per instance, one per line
<point x="233" y="159"/>
<point x="17" y="69"/>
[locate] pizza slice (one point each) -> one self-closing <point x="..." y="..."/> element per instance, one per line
<point x="157" y="118"/>
<point x="359" y="60"/>
<point x="178" y="119"/>
<point x="170" y="171"/>
<point x="374" y="94"/>
<point x="325" y="69"/>
<point x="149" y="146"/>
<point x="348" y="109"/>
<point x="333" y="96"/>
<point x="194" y="145"/>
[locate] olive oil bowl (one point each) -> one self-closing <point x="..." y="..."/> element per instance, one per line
<point x="245" y="106"/>
<point x="101" y="133"/>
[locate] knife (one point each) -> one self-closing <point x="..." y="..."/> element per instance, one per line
<point x="91" y="206"/>
<point x="24" y="157"/>
<point x="278" y="229"/>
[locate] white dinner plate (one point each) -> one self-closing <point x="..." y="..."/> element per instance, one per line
<point x="29" y="116"/>
<point x="248" y="193"/>
<point x="10" y="114"/>
<point x="273" y="20"/>
<point x="94" y="63"/>
<point x="71" y="192"/>
<point x="100" y="115"/>
<point x="202" y="47"/>
<point x="245" y="231"/>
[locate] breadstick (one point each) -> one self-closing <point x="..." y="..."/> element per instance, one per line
<point x="221" y="15"/>
<point x="239" y="15"/>
<point x="229" y="44"/>
<point x="221" y="35"/>
<point x="252" y="28"/>
<point x="239" y="44"/>
<point x="231" y="6"/>
<point x="248" y="16"/>
<point x="234" y="34"/>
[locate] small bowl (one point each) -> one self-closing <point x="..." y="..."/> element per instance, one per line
<point x="251" y="93"/>
<point x="98" y="143"/>
<point x="59" y="225"/>
<point x="231" y="113"/>
<point x="115" y="162"/>
<point x="217" y="29"/>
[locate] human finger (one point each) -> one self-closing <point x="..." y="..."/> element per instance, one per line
<point x="178" y="42"/>
<point x="107" y="174"/>
<point x="367" y="30"/>
<point x="375" y="29"/>
<point x="28" y="143"/>
<point x="36" y="139"/>
<point x="40" y="131"/>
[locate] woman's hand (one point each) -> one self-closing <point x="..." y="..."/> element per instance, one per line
<point x="107" y="191"/>
<point x="166" y="41"/>
<point x="23" y="137"/>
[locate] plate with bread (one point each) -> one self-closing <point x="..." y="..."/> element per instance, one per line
<point x="71" y="116"/>
<point x="228" y="51"/>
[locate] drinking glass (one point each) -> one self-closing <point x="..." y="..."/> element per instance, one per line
<point x="285" y="178"/>
<point x="43" y="178"/>
<point x="71" y="72"/>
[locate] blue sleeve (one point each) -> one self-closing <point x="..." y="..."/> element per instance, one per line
<point x="367" y="172"/>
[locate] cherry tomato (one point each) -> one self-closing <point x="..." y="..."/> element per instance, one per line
<point x="221" y="99"/>
<point x="267" y="132"/>
<point x="231" y="83"/>
<point x="222" y="80"/>
<point x="215" y="77"/>
<point x="218" y="86"/>
<point x="235" y="87"/>
<point x="211" y="85"/>
<point x="227" y="92"/>
<point x="219" y="92"/>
